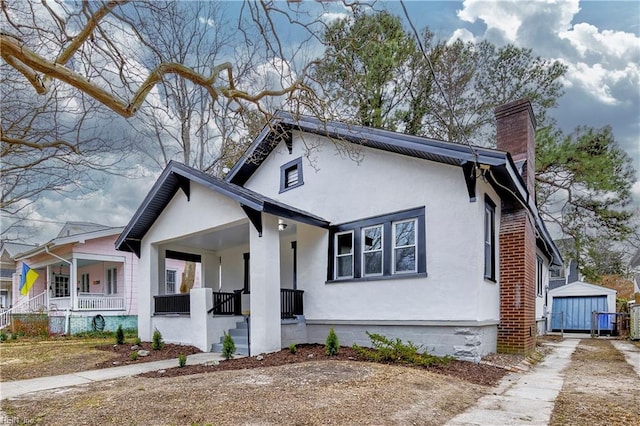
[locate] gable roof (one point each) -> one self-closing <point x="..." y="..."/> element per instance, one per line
<point x="84" y="233"/>
<point x="75" y="228"/>
<point x="581" y="288"/>
<point x="178" y="176"/>
<point x="502" y="173"/>
<point x="13" y="249"/>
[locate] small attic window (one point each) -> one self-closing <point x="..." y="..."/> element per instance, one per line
<point x="291" y="175"/>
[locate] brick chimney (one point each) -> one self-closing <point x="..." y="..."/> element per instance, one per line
<point x="517" y="328"/>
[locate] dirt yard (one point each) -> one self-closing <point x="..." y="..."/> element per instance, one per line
<point x="309" y="389"/>
<point x="302" y="388"/>
<point x="600" y="388"/>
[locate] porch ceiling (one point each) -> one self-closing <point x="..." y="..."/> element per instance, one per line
<point x="219" y="239"/>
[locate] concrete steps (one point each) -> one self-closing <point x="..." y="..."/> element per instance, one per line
<point x="240" y="336"/>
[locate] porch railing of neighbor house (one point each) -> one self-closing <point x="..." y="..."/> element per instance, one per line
<point x="59" y="303"/>
<point x="291" y="303"/>
<point x="32" y="305"/>
<point x="227" y="303"/>
<point x="172" y="304"/>
<point x="100" y="303"/>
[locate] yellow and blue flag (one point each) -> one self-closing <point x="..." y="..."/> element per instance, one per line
<point x="29" y="276"/>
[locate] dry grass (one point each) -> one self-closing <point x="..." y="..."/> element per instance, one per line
<point x="309" y="393"/>
<point x="600" y="388"/>
<point x="30" y="358"/>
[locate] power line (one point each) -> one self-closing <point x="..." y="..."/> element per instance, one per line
<point x="435" y="79"/>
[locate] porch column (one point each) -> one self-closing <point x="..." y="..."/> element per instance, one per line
<point x="264" y="265"/>
<point x="73" y="283"/>
<point x="47" y="285"/>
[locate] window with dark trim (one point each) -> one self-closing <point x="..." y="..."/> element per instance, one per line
<point x="489" y="239"/>
<point x="378" y="247"/>
<point x="539" y="275"/>
<point x="291" y="175"/>
<point x="170" y="281"/>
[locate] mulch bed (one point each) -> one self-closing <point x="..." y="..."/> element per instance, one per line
<point x="122" y="353"/>
<point x="471" y="372"/>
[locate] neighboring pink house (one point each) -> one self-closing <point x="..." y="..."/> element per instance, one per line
<point x="83" y="283"/>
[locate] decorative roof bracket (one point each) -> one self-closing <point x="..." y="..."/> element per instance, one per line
<point x="185" y="185"/>
<point x="255" y="216"/>
<point x="469" y="171"/>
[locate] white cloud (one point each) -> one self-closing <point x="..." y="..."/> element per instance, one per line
<point x="587" y="39"/>
<point x="602" y="83"/>
<point x="330" y="17"/>
<point x="463" y="34"/>
<point x="508" y="16"/>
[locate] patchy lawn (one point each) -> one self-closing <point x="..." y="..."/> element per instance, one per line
<point x="600" y="388"/>
<point x="29" y="358"/>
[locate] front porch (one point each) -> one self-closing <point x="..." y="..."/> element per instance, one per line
<point x="193" y="318"/>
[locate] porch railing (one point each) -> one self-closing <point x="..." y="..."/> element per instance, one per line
<point x="227" y="303"/>
<point x="100" y="303"/>
<point x="35" y="304"/>
<point x="291" y="303"/>
<point x="172" y="304"/>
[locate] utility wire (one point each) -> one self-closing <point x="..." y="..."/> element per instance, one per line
<point x="474" y="152"/>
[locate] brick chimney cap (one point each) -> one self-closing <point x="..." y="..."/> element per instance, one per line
<point x="514" y="108"/>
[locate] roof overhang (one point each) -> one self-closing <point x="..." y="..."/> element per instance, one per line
<point x="178" y="176"/>
<point x="496" y="166"/>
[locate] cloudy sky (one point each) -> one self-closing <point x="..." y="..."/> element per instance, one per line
<point x="598" y="41"/>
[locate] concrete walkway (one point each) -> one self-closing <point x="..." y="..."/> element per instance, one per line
<point x="21" y="387"/>
<point x="525" y="398"/>
<point x="631" y="353"/>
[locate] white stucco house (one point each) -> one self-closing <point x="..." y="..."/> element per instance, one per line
<point x="420" y="239"/>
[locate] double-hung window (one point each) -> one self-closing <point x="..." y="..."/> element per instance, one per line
<point x="372" y="250"/>
<point x="489" y="239"/>
<point x="404" y="246"/>
<point x="344" y="255"/>
<point x="170" y="281"/>
<point x="378" y="247"/>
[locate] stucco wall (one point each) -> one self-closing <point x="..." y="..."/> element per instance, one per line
<point x="178" y="219"/>
<point x="341" y="190"/>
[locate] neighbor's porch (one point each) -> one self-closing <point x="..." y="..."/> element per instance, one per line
<point x="100" y="283"/>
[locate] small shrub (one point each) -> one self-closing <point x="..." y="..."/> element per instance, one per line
<point x="228" y="346"/>
<point x="133" y="356"/>
<point x="395" y="351"/>
<point x="292" y="348"/>
<point x="156" y="341"/>
<point x="119" y="335"/>
<point x="332" y="346"/>
<point x="3" y="336"/>
<point x="182" y="360"/>
<point x="137" y="341"/>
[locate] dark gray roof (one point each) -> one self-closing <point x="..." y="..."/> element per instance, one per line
<point x="178" y="176"/>
<point x="413" y="146"/>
